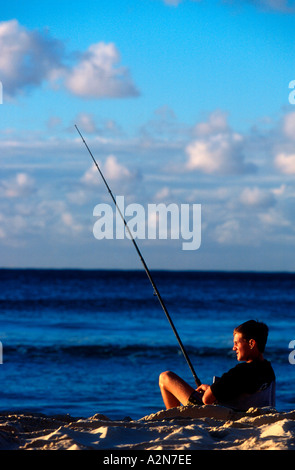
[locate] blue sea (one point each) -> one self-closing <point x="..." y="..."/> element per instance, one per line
<point x="85" y="342"/>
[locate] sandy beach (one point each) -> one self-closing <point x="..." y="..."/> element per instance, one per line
<point x="185" y="428"/>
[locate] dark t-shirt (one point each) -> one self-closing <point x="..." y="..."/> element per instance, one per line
<point x="246" y="377"/>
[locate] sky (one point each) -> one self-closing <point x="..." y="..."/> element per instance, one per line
<point x="184" y="102"/>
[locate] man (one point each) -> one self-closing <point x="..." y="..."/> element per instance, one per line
<point x="243" y="380"/>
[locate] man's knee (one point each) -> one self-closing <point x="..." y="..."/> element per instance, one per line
<point x="165" y="378"/>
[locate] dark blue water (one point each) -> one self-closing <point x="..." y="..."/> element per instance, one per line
<point x="86" y="342"/>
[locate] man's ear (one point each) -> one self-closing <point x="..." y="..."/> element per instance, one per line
<point x="252" y="343"/>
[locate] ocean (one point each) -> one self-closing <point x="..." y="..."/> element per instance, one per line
<point x="84" y="342"/>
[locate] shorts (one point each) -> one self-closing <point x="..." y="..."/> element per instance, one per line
<point x="195" y="399"/>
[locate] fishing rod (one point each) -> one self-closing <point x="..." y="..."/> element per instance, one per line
<point x="156" y="292"/>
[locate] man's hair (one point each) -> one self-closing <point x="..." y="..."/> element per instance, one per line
<point x="253" y="329"/>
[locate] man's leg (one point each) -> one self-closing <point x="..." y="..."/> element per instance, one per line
<point x="174" y="389"/>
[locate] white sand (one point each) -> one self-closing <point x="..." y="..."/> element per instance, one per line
<point x="185" y="428"/>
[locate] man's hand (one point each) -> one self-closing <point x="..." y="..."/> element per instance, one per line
<point x="208" y="398"/>
<point x="202" y="388"/>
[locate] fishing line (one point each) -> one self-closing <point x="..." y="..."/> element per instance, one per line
<point x="156" y="292"/>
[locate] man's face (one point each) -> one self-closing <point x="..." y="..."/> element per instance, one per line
<point x="242" y="348"/>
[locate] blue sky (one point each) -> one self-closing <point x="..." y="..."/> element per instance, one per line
<point x="181" y="102"/>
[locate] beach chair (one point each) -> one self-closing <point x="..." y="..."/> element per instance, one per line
<point x="265" y="396"/>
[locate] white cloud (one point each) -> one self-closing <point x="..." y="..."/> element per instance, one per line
<point x="289" y="125"/>
<point x="98" y="75"/>
<point x="218" y="154"/>
<point x="274" y="218"/>
<point x="285" y="6"/>
<point x="280" y="190"/>
<point x="69" y="222"/>
<point x="86" y="122"/>
<point x="111" y="169"/>
<point x="175" y="3"/>
<point x="285" y="163"/>
<point x="217" y="122"/>
<point x="217" y="149"/>
<point x="27" y="57"/>
<point x="283" y="145"/>
<point x="21" y="185"/>
<point x="106" y="129"/>
<point x="256" y="197"/>
<point x="91" y="176"/>
<point x="163" y="194"/>
<point x="228" y="232"/>
<point x="114" y="170"/>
